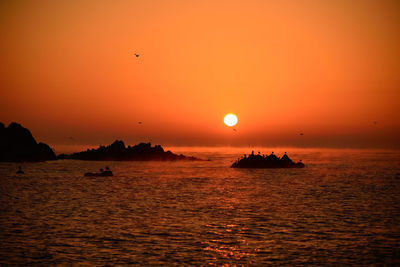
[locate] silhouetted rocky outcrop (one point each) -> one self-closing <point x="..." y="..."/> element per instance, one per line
<point x="261" y="161"/>
<point x="18" y="144"/>
<point x="117" y="151"/>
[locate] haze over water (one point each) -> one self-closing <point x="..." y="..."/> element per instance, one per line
<point x="342" y="209"/>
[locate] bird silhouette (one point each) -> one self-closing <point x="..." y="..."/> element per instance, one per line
<point x="137" y="55"/>
<point x="301" y="133"/>
<point x="234" y="129"/>
<point x="139" y="122"/>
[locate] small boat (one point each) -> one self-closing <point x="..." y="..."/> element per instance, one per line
<point x="107" y="172"/>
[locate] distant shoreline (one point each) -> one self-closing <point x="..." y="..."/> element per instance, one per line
<point x="62" y="149"/>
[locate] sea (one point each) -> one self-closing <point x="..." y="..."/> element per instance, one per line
<point x="342" y="209"/>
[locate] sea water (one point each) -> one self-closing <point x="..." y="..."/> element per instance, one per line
<point x="342" y="209"/>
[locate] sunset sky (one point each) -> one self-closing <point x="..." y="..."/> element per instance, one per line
<point x="328" y="69"/>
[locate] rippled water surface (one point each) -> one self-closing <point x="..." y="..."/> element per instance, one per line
<point x="342" y="209"/>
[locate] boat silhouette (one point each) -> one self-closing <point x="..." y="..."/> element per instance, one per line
<point x="102" y="172"/>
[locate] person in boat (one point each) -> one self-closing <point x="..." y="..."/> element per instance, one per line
<point x="107" y="171"/>
<point x="20" y="171"/>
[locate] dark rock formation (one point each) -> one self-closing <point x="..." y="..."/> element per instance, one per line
<point x="261" y="161"/>
<point x="117" y="151"/>
<point x="18" y="144"/>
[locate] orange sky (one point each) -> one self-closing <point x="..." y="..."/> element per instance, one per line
<point x="325" y="68"/>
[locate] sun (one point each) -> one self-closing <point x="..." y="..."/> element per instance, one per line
<point x="230" y="119"/>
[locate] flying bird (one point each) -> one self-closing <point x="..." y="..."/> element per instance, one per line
<point x="137" y="55"/>
<point x="139" y="122"/>
<point x="301" y="133"/>
<point x="234" y="129"/>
